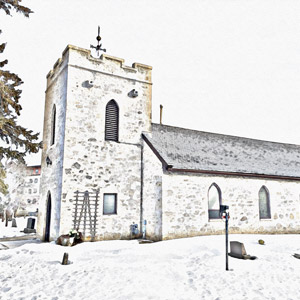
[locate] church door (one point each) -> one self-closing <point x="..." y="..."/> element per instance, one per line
<point x="48" y="219"/>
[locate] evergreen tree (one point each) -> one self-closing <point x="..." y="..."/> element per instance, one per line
<point x="8" y="5"/>
<point x="15" y="140"/>
<point x="3" y="186"/>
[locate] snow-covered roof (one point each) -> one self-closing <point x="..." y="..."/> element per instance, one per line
<point x="187" y="149"/>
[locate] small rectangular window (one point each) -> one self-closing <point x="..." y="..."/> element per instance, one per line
<point x="214" y="214"/>
<point x="110" y="204"/>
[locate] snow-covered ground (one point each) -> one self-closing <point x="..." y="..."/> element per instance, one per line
<point x="10" y="231"/>
<point x="192" y="268"/>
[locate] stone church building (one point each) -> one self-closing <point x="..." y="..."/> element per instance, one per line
<point x="107" y="169"/>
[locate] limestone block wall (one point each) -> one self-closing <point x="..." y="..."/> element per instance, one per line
<point x="152" y="193"/>
<point x="51" y="175"/>
<point x="90" y="162"/>
<point x="110" y="79"/>
<point x="185" y="205"/>
<point x="110" y="168"/>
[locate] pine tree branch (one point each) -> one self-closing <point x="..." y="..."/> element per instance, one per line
<point x="3" y="186"/>
<point x="3" y="63"/>
<point x="8" y="5"/>
<point x="2" y="47"/>
<point x="19" y="140"/>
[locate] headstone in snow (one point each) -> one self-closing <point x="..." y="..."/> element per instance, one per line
<point x="3" y="247"/>
<point x="297" y="255"/>
<point x="238" y="250"/>
<point x="30" y="223"/>
<point x="30" y="226"/>
<point x="14" y="223"/>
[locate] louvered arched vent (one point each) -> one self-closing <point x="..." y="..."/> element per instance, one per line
<point x="112" y="121"/>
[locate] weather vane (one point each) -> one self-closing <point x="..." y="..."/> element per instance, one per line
<point x="98" y="47"/>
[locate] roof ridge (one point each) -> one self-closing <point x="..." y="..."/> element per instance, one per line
<point x="226" y="135"/>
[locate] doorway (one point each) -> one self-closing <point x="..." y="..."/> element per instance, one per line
<point x="48" y="219"/>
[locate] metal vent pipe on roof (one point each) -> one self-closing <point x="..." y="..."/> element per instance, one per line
<point x="161" y="111"/>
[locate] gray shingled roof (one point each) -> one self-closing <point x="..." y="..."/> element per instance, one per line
<point x="197" y="150"/>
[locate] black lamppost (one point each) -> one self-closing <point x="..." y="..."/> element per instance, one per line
<point x="224" y="213"/>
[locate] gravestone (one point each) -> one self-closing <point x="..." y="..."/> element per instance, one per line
<point x="14" y="223"/>
<point x="30" y="223"/>
<point x="3" y="247"/>
<point x="30" y="226"/>
<point x="238" y="250"/>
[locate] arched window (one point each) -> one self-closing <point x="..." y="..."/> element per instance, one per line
<point x="53" y="121"/>
<point x="214" y="201"/>
<point x="264" y="203"/>
<point x="112" y="121"/>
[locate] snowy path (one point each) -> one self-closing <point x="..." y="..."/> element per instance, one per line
<point x="192" y="268"/>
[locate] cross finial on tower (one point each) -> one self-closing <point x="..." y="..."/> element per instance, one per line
<point x="98" y="47"/>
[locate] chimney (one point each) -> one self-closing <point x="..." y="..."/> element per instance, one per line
<point x="161" y="111"/>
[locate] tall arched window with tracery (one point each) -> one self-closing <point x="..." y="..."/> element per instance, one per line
<point x="53" y="125"/>
<point x="112" y="121"/>
<point x="214" y="201"/>
<point x="264" y="203"/>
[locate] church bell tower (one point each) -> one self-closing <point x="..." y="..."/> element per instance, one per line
<point x="95" y="112"/>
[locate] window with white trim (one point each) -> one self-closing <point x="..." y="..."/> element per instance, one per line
<point x="109" y="204"/>
<point x="264" y="203"/>
<point x="214" y="201"/>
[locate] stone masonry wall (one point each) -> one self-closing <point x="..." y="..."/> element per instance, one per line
<point x="51" y="177"/>
<point x="90" y="162"/>
<point x="152" y="194"/>
<point x="185" y="205"/>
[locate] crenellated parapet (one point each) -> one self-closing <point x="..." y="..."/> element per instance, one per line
<point x="95" y="112"/>
<point x="77" y="57"/>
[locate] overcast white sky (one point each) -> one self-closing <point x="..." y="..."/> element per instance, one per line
<point x="222" y="66"/>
